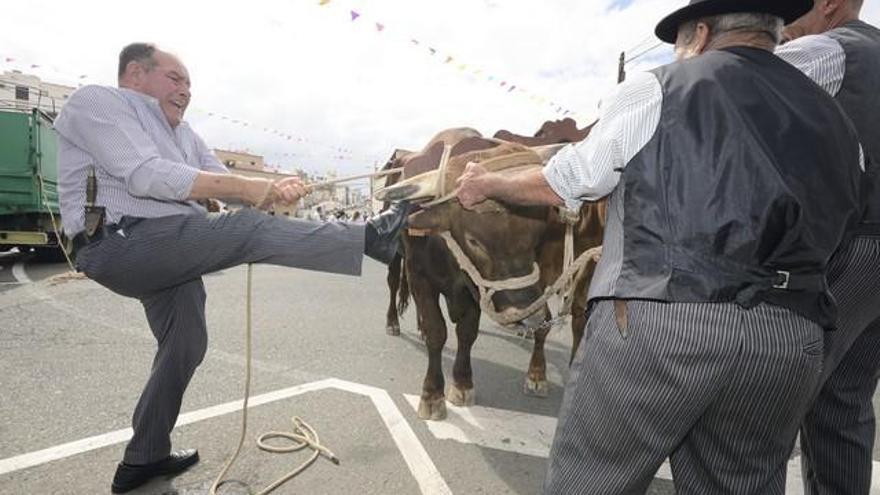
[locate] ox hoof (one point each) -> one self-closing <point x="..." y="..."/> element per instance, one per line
<point x="460" y="397"/>
<point x="535" y="388"/>
<point x="393" y="330"/>
<point x="433" y="409"/>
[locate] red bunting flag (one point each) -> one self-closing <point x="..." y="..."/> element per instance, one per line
<point x="503" y="83"/>
<point x="354" y="15"/>
<point x="379" y="27"/>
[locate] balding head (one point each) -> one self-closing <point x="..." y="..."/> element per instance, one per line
<point x="148" y="70"/>
<point x="826" y="15"/>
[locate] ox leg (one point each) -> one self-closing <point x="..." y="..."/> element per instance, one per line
<point x="461" y="392"/>
<point x="432" y="325"/>
<point x="536" y="379"/>
<point x="392" y="323"/>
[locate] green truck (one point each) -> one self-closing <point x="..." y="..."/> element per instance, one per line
<point x="29" y="215"/>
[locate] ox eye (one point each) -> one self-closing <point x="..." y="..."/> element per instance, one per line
<point x="474" y="244"/>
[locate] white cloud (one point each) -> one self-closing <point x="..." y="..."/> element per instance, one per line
<point x="310" y="71"/>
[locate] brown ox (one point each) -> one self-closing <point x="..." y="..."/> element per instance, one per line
<point x="503" y="242"/>
<point x="550" y="132"/>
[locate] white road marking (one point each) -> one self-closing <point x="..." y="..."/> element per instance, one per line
<point x="413" y="452"/>
<point x="499" y="429"/>
<point x="532" y="434"/>
<point x="19" y="273"/>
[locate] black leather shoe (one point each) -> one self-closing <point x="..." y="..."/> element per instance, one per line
<point x="383" y="232"/>
<point x="128" y="476"/>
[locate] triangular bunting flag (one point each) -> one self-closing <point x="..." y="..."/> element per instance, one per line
<point x="379" y="27"/>
<point x="323" y="2"/>
<point x="354" y="15"/>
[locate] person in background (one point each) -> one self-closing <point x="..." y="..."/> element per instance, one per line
<point x="842" y="55"/>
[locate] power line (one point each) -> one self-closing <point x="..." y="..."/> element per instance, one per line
<point x="641" y="44"/>
<point x="644" y="52"/>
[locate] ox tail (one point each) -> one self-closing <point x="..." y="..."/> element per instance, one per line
<point x="403" y="290"/>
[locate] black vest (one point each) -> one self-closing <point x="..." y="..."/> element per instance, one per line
<point x="742" y="188"/>
<point x="860" y="98"/>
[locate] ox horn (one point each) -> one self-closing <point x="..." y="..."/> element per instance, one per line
<point x="420" y="187"/>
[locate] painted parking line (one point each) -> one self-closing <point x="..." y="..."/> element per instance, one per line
<point x="532" y="434"/>
<point x="413" y="452"/>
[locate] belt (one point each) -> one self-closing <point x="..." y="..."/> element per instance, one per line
<point x="82" y="240"/>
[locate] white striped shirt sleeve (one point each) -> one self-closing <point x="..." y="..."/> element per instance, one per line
<point x="823" y="60"/>
<point x="103" y="124"/>
<point x="590" y="169"/>
<point x="818" y="56"/>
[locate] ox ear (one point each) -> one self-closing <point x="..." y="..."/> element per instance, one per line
<point x="432" y="220"/>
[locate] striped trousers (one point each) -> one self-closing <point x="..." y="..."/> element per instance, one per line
<point x="837" y="437"/>
<point x="718" y="389"/>
<point x="160" y="261"/>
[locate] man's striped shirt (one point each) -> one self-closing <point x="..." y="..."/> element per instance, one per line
<point x="144" y="167"/>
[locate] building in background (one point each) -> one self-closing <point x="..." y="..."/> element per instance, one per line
<point x="250" y="165"/>
<point x="20" y="91"/>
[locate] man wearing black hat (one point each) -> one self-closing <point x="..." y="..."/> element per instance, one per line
<point x="704" y="339"/>
<point x="842" y="54"/>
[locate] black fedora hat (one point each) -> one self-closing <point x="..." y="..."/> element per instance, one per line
<point x="788" y="10"/>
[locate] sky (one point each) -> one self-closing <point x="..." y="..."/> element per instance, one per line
<point x="337" y="87"/>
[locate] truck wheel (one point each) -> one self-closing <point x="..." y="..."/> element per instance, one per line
<point x="54" y="254"/>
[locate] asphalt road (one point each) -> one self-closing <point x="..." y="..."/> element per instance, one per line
<point x="74" y="356"/>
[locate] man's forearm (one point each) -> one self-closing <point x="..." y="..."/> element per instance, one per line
<point x="231" y="186"/>
<point x="528" y="187"/>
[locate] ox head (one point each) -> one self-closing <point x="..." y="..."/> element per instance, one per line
<point x="501" y="241"/>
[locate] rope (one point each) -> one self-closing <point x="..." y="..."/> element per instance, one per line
<point x="498" y="161"/>
<point x="55" y="225"/>
<point x="563" y="284"/>
<point x="302" y="436"/>
<point x="494" y="285"/>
